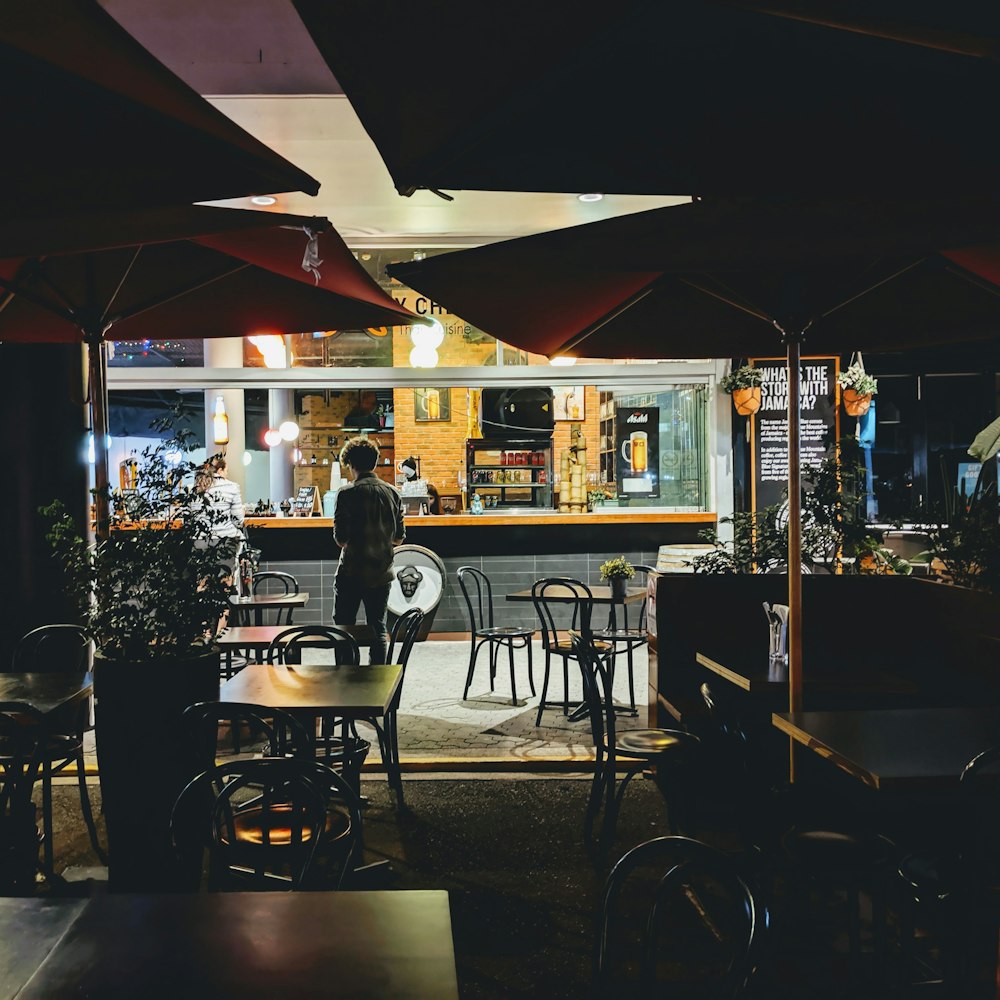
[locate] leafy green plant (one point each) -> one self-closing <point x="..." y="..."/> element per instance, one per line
<point x="968" y="544"/>
<point x="746" y="377"/>
<point x="617" y="567"/>
<point x="856" y="378"/>
<point x="158" y="586"/>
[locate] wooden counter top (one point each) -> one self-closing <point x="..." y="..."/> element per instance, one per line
<point x="620" y="516"/>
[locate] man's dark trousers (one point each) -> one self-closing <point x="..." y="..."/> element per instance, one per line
<point x="349" y="595"/>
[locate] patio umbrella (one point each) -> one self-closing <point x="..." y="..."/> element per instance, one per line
<point x="90" y="118"/>
<point x="184" y="273"/>
<point x="646" y="97"/>
<point x="731" y="279"/>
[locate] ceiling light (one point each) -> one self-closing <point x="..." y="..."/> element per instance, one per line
<point x="263" y="199"/>
<point x="289" y="430"/>
<point x="272" y="348"/>
<point x="247" y="458"/>
<point x="590" y="197"/>
<point x="562" y="361"/>
<point x="272" y="438"/>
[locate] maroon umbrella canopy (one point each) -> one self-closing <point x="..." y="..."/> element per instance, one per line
<point x="721" y="279"/>
<point x="91" y="119"/>
<point x="737" y="279"/>
<point x="647" y="97"/>
<point x="187" y="273"/>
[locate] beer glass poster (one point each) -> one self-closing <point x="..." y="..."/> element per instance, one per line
<point x="637" y="451"/>
<point x="768" y="427"/>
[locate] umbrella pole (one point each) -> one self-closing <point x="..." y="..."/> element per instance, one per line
<point x="96" y="363"/>
<point x="793" y="346"/>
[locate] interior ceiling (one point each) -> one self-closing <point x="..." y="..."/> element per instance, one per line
<point x="256" y="62"/>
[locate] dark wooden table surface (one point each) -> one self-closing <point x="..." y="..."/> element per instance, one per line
<point x="47" y="692"/>
<point x="30" y="929"/>
<point x="261" y="636"/>
<point x="258" y="603"/>
<point x="347" y="692"/>
<point x="376" y="945"/>
<point x="888" y="748"/>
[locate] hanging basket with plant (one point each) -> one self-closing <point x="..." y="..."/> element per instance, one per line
<point x="857" y="389"/>
<point x="743" y="384"/>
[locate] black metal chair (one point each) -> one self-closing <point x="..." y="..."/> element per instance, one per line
<point x="670" y="750"/>
<point x="273" y="582"/>
<point x="554" y="643"/>
<point x="276" y="733"/>
<point x="22" y="738"/>
<point x="625" y="639"/>
<point x="786" y="829"/>
<point x="957" y="888"/>
<point x="478" y="594"/>
<point x="679" y="913"/>
<point x="274" y="823"/>
<point x="60" y="649"/>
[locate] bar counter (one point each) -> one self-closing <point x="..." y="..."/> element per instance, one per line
<point x="514" y="548"/>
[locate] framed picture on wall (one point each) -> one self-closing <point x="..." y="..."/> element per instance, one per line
<point x="568" y="403"/>
<point x="431" y="405"/>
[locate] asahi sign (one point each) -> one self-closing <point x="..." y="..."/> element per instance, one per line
<point x="769" y="425"/>
<point x="637" y="451"/>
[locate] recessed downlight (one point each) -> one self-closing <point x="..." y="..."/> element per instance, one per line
<point x="593" y="196"/>
<point x="265" y="199"/>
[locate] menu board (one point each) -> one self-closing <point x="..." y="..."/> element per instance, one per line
<point x="820" y="425"/>
<point x="637" y="451"/>
<point x="306" y="501"/>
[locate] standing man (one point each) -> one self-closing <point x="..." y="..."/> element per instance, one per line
<point x="368" y="522"/>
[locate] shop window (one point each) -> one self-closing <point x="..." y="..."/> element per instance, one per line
<point x="156" y="354"/>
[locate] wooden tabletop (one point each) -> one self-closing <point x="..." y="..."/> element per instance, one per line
<point x="299" y="600"/>
<point x="261" y="636"/>
<point x="349" y="691"/>
<point x="893" y="747"/>
<point x="602" y="595"/>
<point x="248" y="945"/>
<point x="822" y="674"/>
<point x="47" y="692"/>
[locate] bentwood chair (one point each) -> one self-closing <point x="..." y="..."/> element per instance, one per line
<point x="956" y="889"/>
<point x="478" y="593"/>
<point x="269" y="732"/>
<point x="61" y="649"/>
<point x="22" y="739"/>
<point x="624" y="638"/>
<point x="678" y="915"/>
<point x="276" y="823"/>
<point x="346" y="751"/>
<point x="274" y="582"/>
<point x="671" y="751"/>
<point x="547" y="595"/>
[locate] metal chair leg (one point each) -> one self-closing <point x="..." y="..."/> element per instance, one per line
<point x="47" y="855"/>
<point x="531" y="673"/>
<point x="513" y="682"/>
<point x="545" y="688"/>
<point x="473" y="656"/>
<point x="88" y="814"/>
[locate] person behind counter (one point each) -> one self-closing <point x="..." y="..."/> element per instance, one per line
<point x="368" y="522"/>
<point x="434" y="498"/>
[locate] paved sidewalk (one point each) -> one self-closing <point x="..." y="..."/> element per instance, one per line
<point x="437" y="728"/>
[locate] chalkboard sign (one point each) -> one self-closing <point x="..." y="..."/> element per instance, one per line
<point x="819" y="430"/>
<point x="306" y="501"/>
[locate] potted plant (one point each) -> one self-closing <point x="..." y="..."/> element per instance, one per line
<point x="153" y="597"/>
<point x="857" y="387"/>
<point x="617" y="572"/>
<point x="743" y="384"/>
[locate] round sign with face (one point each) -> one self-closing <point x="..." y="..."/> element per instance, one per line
<point x="417" y="580"/>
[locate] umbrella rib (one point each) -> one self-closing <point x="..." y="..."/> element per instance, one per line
<point x="177" y="293"/>
<point x="622" y="307"/>
<point x="727" y="296"/>
<point x="118" y="287"/>
<point x="982" y="284"/>
<point x="14" y="289"/>
<point x="871" y="288"/>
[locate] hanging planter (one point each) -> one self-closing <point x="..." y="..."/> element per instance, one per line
<point x="856" y="403"/>
<point x="744" y="386"/>
<point x="857" y="389"/>
<point x="747" y="401"/>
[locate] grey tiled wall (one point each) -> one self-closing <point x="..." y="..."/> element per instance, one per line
<point x="507" y="574"/>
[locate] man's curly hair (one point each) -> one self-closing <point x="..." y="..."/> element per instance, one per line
<point x="360" y="453"/>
